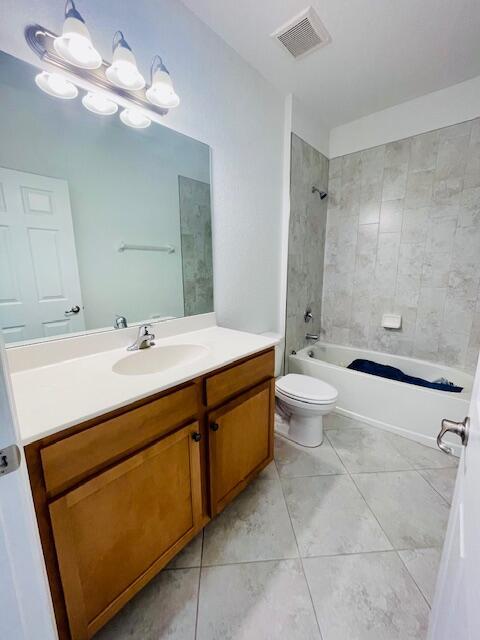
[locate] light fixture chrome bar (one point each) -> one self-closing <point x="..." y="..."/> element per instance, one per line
<point x="166" y="248"/>
<point x="40" y="40"/>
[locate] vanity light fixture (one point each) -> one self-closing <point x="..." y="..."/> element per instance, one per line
<point x="99" y="104"/>
<point x="108" y="86"/>
<point x="135" y="118"/>
<point x="123" y="72"/>
<point x="75" y="44"/>
<point x="161" y="92"/>
<point x="56" y="85"/>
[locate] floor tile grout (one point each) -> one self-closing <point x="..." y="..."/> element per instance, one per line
<point x="434" y="488"/>
<point x="394" y="549"/>
<point x="411" y="575"/>
<point x="364" y="499"/>
<point x="199" y="584"/>
<point x="299" y="554"/>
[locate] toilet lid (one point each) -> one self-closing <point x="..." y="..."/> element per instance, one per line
<point x="301" y="387"/>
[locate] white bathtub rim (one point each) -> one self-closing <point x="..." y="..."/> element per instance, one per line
<point x="428" y="441"/>
<point x="303" y="355"/>
<point x="451" y="371"/>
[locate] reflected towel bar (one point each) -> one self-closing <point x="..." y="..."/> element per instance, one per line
<point x="167" y="248"/>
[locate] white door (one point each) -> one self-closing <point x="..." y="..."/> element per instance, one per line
<point x="39" y="281"/>
<point x="25" y="606"/>
<point x="456" y="608"/>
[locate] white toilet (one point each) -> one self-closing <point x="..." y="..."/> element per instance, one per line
<point x="302" y="401"/>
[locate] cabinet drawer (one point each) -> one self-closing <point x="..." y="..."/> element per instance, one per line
<point x="76" y="457"/>
<point x="228" y="383"/>
<point x="114" y="532"/>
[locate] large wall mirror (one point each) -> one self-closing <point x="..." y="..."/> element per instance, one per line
<point x="97" y="220"/>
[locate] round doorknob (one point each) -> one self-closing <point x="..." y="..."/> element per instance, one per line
<point x="458" y="428"/>
<point x="196" y="436"/>
<point x="214" y="426"/>
<point x="70" y="312"/>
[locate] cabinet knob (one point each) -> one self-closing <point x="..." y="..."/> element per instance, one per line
<point x="214" y="426"/>
<point x="196" y="436"/>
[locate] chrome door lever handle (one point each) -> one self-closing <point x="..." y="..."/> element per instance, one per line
<point x="72" y="311"/>
<point x="458" y="428"/>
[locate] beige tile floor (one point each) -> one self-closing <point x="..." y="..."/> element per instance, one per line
<point x="341" y="542"/>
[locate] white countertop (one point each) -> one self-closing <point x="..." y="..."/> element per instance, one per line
<point x="57" y="396"/>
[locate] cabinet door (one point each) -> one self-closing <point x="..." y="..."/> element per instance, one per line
<point x="116" y="531"/>
<point x="240" y="443"/>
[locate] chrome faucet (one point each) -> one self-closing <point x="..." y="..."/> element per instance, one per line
<point x="312" y="336"/>
<point x="144" y="340"/>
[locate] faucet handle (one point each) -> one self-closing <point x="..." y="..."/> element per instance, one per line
<point x="144" y="329"/>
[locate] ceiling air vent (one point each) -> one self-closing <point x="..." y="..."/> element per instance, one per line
<point x="304" y="34"/>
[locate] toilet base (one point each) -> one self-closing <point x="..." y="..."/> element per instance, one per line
<point x="305" y="431"/>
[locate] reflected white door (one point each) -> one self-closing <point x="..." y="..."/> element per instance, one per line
<point x="25" y="607"/>
<point x="456" y="608"/>
<point x="39" y="281"/>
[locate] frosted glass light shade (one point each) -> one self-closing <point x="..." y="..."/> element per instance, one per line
<point x="99" y="104"/>
<point x="75" y="44"/>
<point x="135" y="118"/>
<point x="161" y="92"/>
<point x="56" y="85"/>
<point x="123" y="72"/>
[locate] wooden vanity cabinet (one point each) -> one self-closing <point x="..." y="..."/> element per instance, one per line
<point x="240" y="443"/>
<point x="119" y="496"/>
<point x="116" y="531"/>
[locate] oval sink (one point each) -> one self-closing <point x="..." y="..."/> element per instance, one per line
<point x="156" y="359"/>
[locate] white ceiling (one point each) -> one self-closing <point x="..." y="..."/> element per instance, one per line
<point x="383" y="52"/>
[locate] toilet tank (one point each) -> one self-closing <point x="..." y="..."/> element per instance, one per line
<point x="279" y="350"/>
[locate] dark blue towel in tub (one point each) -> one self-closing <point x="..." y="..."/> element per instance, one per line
<point x="392" y="373"/>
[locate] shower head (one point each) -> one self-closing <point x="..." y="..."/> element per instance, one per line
<point x="322" y="194"/>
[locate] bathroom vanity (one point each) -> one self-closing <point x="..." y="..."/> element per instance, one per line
<point x="129" y="453"/>
<point x="118" y="495"/>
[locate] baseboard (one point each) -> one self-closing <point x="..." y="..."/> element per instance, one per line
<point x="429" y="441"/>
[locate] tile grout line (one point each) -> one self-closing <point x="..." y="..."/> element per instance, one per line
<point x="366" y="503"/>
<point x="397" y="551"/>
<point x="299" y="554"/>
<point x="411" y="575"/>
<point x="199" y="584"/>
<point x="394" y="549"/>
<point x="449" y="504"/>
<point x="327" y="555"/>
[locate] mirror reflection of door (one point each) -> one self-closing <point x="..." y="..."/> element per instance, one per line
<point x="40" y="292"/>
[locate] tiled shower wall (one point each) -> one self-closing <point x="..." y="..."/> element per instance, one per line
<point x="196" y="236"/>
<point x="306" y="243"/>
<point x="403" y="236"/>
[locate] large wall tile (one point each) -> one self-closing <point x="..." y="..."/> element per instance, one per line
<point x="394" y="182"/>
<point x="424" y="151"/>
<point x="391" y="215"/>
<point x="419" y="189"/>
<point x="406" y="239"/>
<point x="452" y="158"/>
<point x="307" y="233"/>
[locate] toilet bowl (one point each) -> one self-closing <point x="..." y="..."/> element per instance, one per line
<point x="304" y="401"/>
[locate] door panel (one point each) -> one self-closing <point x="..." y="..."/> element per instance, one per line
<point x="39" y="277"/>
<point x="240" y="443"/>
<point x="116" y="531"/>
<point x="456" y="612"/>
<point x="25" y="605"/>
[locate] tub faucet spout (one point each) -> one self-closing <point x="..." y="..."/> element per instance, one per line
<point x="312" y="336"/>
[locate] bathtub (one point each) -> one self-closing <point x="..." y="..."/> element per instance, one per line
<point x="405" y="409"/>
